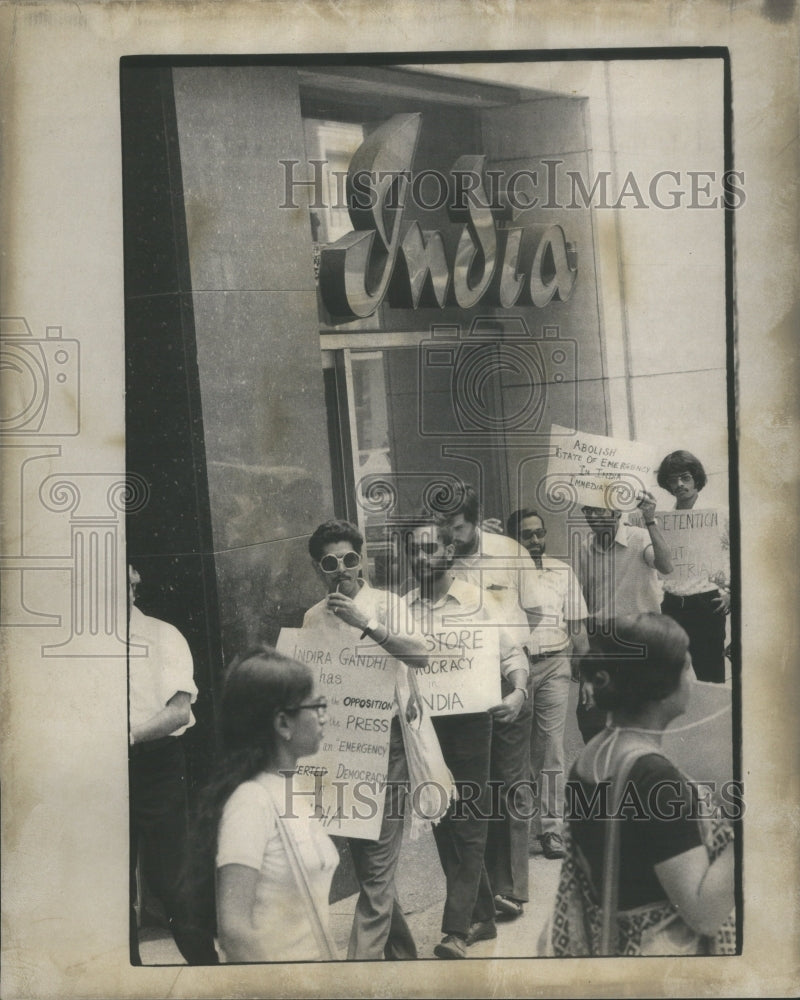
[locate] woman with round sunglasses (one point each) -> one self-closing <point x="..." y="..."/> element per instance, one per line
<point x="273" y="866"/>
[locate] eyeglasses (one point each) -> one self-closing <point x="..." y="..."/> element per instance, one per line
<point x="527" y="533"/>
<point x="320" y="707"/>
<point x="331" y="563"/>
<point x="684" y="478"/>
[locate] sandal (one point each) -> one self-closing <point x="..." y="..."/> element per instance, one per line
<point x="507" y="907"/>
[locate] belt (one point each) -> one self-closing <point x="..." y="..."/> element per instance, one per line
<point x="546" y="656"/>
<point x="683" y="600"/>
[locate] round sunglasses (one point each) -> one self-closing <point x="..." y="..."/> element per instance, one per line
<point x="332" y="564"/>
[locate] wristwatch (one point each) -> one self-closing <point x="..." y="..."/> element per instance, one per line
<point x="371" y="625"/>
<point x="523" y="690"/>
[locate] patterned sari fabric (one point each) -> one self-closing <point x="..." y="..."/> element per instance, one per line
<point x="575" y="926"/>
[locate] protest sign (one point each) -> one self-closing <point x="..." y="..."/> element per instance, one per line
<point x="463" y="670"/>
<point x="695" y="542"/>
<point x="348" y="773"/>
<point x="595" y="470"/>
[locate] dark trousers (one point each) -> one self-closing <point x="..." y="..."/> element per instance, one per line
<point x="158" y="827"/>
<point x="380" y="929"/>
<point x="507" y="836"/>
<point x="706" y="630"/>
<point x="461" y="834"/>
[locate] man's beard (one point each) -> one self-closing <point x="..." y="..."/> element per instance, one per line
<point x="465" y="548"/>
<point x="431" y="574"/>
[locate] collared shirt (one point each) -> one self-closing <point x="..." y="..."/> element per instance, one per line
<point x="498" y="568"/>
<point x="620" y="580"/>
<point x="495" y="565"/>
<point x="164" y="669"/>
<point x="465" y="604"/>
<point x="551" y="597"/>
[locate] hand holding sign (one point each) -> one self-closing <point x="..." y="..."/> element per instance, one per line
<point x="608" y="473"/>
<point x="647" y="505"/>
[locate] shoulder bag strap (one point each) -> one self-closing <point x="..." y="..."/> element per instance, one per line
<point x="322" y="935"/>
<point x="610" y="886"/>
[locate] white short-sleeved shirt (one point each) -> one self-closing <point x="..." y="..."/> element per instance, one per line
<point x="497" y="564"/>
<point x="555" y="593"/>
<point x="248" y="835"/>
<point x="620" y="580"/>
<point x="160" y="665"/>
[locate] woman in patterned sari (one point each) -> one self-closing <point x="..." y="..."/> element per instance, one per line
<point x="646" y="872"/>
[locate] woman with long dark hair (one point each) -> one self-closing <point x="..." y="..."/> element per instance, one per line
<point x="273" y="862"/>
<point x="646" y="872"/>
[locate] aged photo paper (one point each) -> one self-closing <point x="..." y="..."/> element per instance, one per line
<point x="204" y="355"/>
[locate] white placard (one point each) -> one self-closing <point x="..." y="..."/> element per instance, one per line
<point x="694" y="541"/>
<point x="348" y="773"/>
<point x="463" y="670"/>
<point x="595" y="470"/>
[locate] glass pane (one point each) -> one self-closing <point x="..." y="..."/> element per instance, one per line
<point x="372" y="415"/>
<point x="334" y="143"/>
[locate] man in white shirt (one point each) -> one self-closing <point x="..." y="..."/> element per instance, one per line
<point x="498" y="565"/>
<point x="556" y="611"/>
<point x="494" y="562"/>
<point x="161" y="693"/>
<point x="379" y="927"/>
<point x="618" y="566"/>
<point x="466" y="739"/>
<point x="697" y="602"/>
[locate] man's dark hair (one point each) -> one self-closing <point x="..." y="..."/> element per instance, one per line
<point x="681" y="461"/>
<point x="427" y="518"/>
<point x="514" y="522"/>
<point x="469" y="506"/>
<point x="334" y="531"/>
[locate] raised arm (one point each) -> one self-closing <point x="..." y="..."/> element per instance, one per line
<point x="402" y="645"/>
<point x="661" y="557"/>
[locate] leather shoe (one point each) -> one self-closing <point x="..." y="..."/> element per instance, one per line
<point x="481" y="930"/>
<point x="451" y="946"/>
<point x="506" y="907"/>
<point x="552" y="846"/>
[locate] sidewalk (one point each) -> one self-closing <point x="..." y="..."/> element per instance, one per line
<point x="423" y="902"/>
<point x="515" y="938"/>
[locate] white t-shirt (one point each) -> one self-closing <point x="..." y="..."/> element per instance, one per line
<point x="248" y="835"/>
